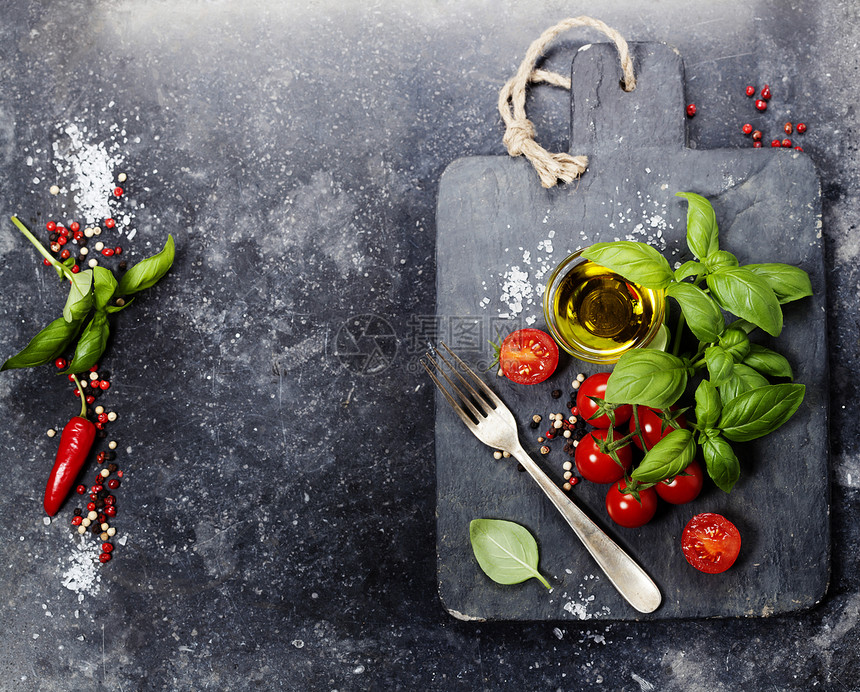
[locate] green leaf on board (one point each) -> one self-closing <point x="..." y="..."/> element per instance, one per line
<point x="505" y="551"/>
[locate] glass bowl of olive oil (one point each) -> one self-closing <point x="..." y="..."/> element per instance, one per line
<point x="596" y="315"/>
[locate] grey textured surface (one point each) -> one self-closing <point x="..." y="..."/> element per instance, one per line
<point x="279" y="504"/>
<point x="494" y="208"/>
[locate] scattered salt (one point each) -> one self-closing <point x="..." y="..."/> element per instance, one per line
<point x="83" y="576"/>
<point x="91" y="167"/>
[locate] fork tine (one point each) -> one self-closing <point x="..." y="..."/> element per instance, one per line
<point x="477" y="398"/>
<point x="464" y="400"/>
<point x="451" y="400"/>
<point x="491" y="395"/>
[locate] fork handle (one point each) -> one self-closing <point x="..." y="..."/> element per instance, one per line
<point x="623" y="571"/>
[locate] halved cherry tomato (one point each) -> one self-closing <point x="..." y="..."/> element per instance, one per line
<point x="711" y="543"/>
<point x="595" y="386"/>
<point x="652" y="426"/>
<point x="683" y="488"/>
<point x="625" y="510"/>
<point x="597" y="466"/>
<point x="528" y="356"/>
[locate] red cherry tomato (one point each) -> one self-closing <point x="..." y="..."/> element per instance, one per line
<point x="711" y="543"/>
<point x="597" y="466"/>
<point x="595" y="386"/>
<point x="683" y="488"/>
<point x="626" y="511"/>
<point x="652" y="426"/>
<point x="528" y="356"/>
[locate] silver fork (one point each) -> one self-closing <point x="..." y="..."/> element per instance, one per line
<point x="493" y="424"/>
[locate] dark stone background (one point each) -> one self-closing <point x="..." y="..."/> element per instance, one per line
<point x="278" y="506"/>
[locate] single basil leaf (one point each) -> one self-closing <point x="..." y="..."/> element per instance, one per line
<point x="743" y="379"/>
<point x="748" y="296"/>
<point x="689" y="269"/>
<point x="636" y="262"/>
<point x="760" y="411"/>
<point x="80" y="299"/>
<point x="505" y="551"/>
<point x="747" y="327"/>
<point x="708" y="405"/>
<point x="721" y="260"/>
<point x="648" y="377"/>
<point x="702" y="314"/>
<point x="667" y="458"/>
<point x="147" y="272"/>
<point x="104" y="284"/>
<point x="91" y="345"/>
<point x="736" y="343"/>
<point x="768" y="362"/>
<point x="787" y="282"/>
<point x="721" y="462"/>
<point x="720" y="364"/>
<point x="111" y="309"/>
<point x="49" y="343"/>
<point x="702" y="232"/>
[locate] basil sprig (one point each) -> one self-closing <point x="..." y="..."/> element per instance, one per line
<point x="94" y="294"/>
<point x="734" y="399"/>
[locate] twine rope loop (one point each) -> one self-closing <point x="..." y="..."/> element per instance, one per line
<point x="519" y="137"/>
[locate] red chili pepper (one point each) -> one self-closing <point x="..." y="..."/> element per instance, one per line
<point x="75" y="444"/>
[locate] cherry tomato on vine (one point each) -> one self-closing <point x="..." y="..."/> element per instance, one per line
<point x="528" y="356"/>
<point x="625" y="510"/>
<point x="595" y="386"/>
<point x="683" y="488"/>
<point x="711" y="543"/>
<point x="652" y="426"/>
<point x="597" y="466"/>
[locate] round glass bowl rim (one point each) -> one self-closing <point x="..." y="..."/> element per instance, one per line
<point x="588" y="355"/>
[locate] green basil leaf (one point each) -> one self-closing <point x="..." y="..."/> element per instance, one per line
<point x="702" y="314"/>
<point x="111" y="309"/>
<point x="505" y="551"/>
<point x="768" y="362"/>
<point x="720" y="364"/>
<point x="748" y="296"/>
<point x="787" y="282"/>
<point x="708" y="405"/>
<point x="104" y="284"/>
<point x="760" y="411"/>
<point x="747" y="327"/>
<point x="736" y="343"/>
<point x="688" y="269"/>
<point x="743" y="379"/>
<point x="91" y="345"/>
<point x="720" y="261"/>
<point x="702" y="232"/>
<point x="80" y="299"/>
<point x="648" y="377"/>
<point x="721" y="462"/>
<point x="667" y="458"/>
<point x="47" y="345"/>
<point x="147" y="272"/>
<point x="636" y="262"/>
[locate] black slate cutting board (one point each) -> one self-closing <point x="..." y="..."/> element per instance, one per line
<point x="499" y="233"/>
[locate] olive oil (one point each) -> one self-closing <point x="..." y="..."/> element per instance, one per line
<point x="603" y="314"/>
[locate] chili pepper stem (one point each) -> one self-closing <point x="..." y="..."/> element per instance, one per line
<point x="83" y="397"/>
<point x="41" y="248"/>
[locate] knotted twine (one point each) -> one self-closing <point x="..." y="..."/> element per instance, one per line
<point x="520" y="131"/>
